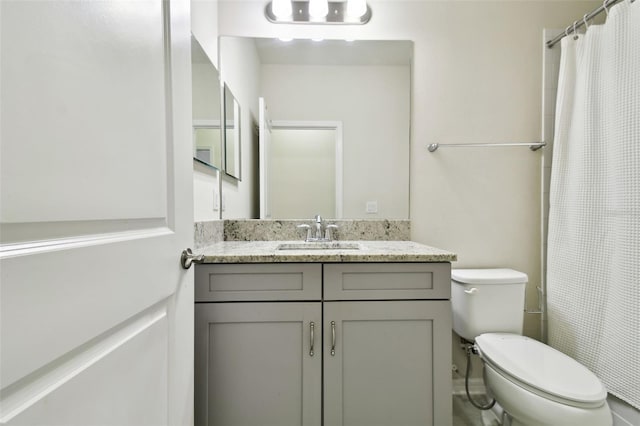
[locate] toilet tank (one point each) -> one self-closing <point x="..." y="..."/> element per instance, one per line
<point x="487" y="301"/>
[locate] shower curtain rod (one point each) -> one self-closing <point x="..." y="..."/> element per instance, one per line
<point x="581" y="22"/>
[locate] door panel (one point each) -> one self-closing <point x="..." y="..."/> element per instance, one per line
<point x="135" y="355"/>
<point x="85" y="91"/>
<point x="96" y="206"/>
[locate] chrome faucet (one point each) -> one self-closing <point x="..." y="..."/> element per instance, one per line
<point x="322" y="233"/>
<point x="318" y="220"/>
<point x="327" y="232"/>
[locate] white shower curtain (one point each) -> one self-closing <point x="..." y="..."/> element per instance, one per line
<point x="593" y="280"/>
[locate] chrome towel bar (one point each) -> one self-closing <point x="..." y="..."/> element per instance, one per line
<point x="533" y="146"/>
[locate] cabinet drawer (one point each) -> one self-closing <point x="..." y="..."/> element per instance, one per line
<point x="218" y="282"/>
<point x="370" y="281"/>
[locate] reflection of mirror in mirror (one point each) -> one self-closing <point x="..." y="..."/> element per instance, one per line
<point x="365" y="86"/>
<point x="207" y="140"/>
<point x="231" y="134"/>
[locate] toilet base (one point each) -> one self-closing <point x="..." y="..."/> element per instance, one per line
<point x="528" y="409"/>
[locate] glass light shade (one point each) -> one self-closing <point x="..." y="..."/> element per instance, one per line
<point x="281" y="8"/>
<point x="318" y="8"/>
<point x="356" y="8"/>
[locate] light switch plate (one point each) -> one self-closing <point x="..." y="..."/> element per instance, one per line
<point x="372" y="207"/>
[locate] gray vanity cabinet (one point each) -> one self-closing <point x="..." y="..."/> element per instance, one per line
<point x="387" y="351"/>
<point x="371" y="346"/>
<point x="258" y="356"/>
<point x="254" y="364"/>
<point x="382" y="370"/>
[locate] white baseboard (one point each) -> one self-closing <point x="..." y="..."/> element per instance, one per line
<point x="623" y="413"/>
<point x="476" y="387"/>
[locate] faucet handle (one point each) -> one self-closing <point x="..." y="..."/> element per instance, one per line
<point x="308" y="228"/>
<point x="328" y="233"/>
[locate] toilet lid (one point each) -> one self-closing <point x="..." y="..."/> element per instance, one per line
<point x="541" y="367"/>
<point x="488" y="276"/>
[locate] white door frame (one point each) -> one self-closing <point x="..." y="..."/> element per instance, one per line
<point x="336" y="126"/>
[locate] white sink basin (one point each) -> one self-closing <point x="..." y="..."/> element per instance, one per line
<point x="330" y="245"/>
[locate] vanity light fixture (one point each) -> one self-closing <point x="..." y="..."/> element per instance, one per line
<point x="348" y="12"/>
<point x="356" y="8"/>
<point x="281" y="8"/>
<point x="318" y="9"/>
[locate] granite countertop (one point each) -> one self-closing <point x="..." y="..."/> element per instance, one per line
<point x="370" y="251"/>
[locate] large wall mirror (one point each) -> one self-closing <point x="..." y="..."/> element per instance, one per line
<point x="206" y="101"/>
<point x="337" y="126"/>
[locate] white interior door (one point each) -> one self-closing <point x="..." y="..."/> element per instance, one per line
<point x="264" y="129"/>
<point x="96" y="205"/>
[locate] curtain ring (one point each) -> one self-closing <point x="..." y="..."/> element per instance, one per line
<point x="575" y="33"/>
<point x="604" y="6"/>
<point x="584" y="19"/>
<point x="566" y="31"/>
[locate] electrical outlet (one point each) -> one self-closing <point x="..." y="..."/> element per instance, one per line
<point x="372" y="207"/>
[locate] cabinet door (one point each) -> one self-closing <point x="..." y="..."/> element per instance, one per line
<point x="391" y="363"/>
<point x="254" y="364"/>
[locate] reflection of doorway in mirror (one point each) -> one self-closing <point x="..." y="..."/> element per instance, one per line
<point x="305" y="176"/>
<point x="207" y="145"/>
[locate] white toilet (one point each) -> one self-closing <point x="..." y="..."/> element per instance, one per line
<point x="532" y="382"/>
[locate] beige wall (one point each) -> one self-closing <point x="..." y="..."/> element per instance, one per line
<point x="477" y="77"/>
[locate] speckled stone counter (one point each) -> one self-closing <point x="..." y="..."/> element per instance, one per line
<point x="347" y="229"/>
<point x="214" y="231"/>
<point x="369" y="251"/>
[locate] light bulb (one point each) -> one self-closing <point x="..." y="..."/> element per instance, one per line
<point x="356" y="8"/>
<point x="281" y="8"/>
<point x="318" y="8"/>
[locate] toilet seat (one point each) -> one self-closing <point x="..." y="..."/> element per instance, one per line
<point x="541" y="369"/>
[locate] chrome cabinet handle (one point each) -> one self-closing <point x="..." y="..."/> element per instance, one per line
<point x="312" y="327"/>
<point x="333" y="338"/>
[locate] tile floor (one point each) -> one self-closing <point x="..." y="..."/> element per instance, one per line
<point x="465" y="414"/>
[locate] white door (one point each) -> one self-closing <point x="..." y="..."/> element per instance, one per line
<point x="96" y="205"/>
<point x="264" y="144"/>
